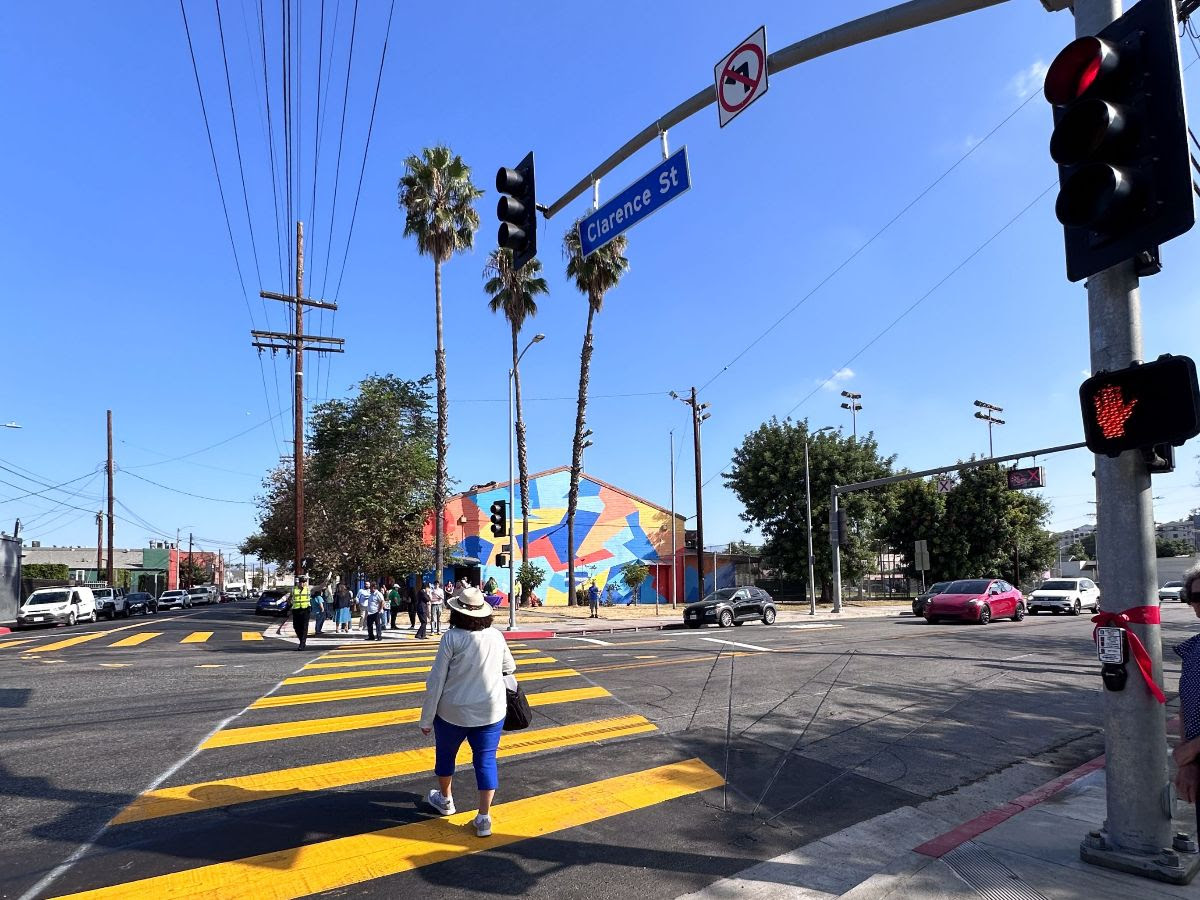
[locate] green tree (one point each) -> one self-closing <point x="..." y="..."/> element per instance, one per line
<point x="767" y="476"/>
<point x="529" y="577"/>
<point x="1165" y="547"/>
<point x="191" y="572"/>
<point x="1077" y="551"/>
<point x="1089" y="545"/>
<point x="512" y="292"/>
<point x="595" y="275"/>
<point x="438" y="199"/>
<point x="47" y="571"/>
<point x="633" y="575"/>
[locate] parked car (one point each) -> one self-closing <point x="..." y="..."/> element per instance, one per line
<point x="1070" y="595"/>
<point x="272" y="602"/>
<point x="976" y="600"/>
<point x="171" y="599"/>
<point x="203" y="596"/>
<point x="141" y="602"/>
<point x="1172" y="590"/>
<point x="110" y="602"/>
<point x="731" y="606"/>
<point x="918" y="604"/>
<point x="235" y="592"/>
<point x="54" y="606"/>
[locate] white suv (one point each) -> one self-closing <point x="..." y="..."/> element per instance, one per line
<point x="173" y="598"/>
<point x="205" y="595"/>
<point x="1071" y="595"/>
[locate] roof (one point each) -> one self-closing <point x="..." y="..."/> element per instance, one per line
<point x="495" y="485"/>
<point x="80" y="557"/>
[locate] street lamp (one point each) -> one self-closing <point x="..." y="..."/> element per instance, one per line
<point x="990" y="419"/>
<point x="812" y="588"/>
<point x="11" y="425"/>
<point x="854" y="406"/>
<point x="512" y="495"/>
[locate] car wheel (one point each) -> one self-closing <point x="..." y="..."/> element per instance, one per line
<point x="71" y="619"/>
<point x="1076" y="607"/>
<point x="985" y="615"/>
<point x="725" y="620"/>
<point x="1020" y="613"/>
<point x="769" y="615"/>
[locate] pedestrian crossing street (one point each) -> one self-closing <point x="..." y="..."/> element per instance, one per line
<point x="319" y="785"/>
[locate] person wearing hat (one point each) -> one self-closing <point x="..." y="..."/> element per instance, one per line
<point x="301" y="608"/>
<point x="465" y="699"/>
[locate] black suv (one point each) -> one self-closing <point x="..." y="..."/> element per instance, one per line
<point x="140" y="602"/>
<point x="731" y="606"/>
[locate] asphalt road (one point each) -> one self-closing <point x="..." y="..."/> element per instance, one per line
<point x="206" y="761"/>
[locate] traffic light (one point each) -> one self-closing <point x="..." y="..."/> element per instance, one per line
<point x="1120" y="141"/>
<point x="1141" y="407"/>
<point x="843" y="529"/>
<point x="517" y="211"/>
<point x="500" y="518"/>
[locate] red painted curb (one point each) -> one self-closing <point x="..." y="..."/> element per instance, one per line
<point x="527" y="635"/>
<point x="5" y="630"/>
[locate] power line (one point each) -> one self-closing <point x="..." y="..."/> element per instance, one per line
<point x="337" y="168"/>
<point x="55" y="487"/>
<point x="166" y="487"/>
<point x="192" y="453"/>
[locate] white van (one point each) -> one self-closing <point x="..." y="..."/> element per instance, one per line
<point x="51" y="606"/>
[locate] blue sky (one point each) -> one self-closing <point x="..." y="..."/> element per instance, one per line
<point x="123" y="293"/>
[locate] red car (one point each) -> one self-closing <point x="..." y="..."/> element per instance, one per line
<point x="976" y="600"/>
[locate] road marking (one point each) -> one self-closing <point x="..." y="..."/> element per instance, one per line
<point x="188" y="798"/>
<point x="74" y="641"/>
<point x="388" y="658"/>
<point x="134" y="639"/>
<point x="587" y="640"/>
<point x="814" y="625"/>
<point x="383" y="690"/>
<point x="736" y="644"/>
<point x="251" y="636"/>
<point x="645" y="657"/>
<point x="340" y="862"/>
<point x="254" y="734"/>
<point x="15" y="643"/>
<point x="197" y="637"/>
<point x="114" y="665"/>
<point x="209" y="666"/>
<point x="379" y="673"/>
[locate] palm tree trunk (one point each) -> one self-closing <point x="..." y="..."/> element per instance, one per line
<point x="522" y="461"/>
<point x="439" y="485"/>
<point x="585" y="363"/>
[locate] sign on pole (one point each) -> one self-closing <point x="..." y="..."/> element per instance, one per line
<point x="1023" y="479"/>
<point x="946" y="483"/>
<point x="741" y="76"/>
<point x="646" y="196"/>
<point x="921" y="556"/>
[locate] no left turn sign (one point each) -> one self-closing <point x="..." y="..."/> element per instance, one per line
<point x="742" y="76"/>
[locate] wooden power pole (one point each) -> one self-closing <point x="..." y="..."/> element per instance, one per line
<point x="99" y="543"/>
<point x="294" y="343"/>
<point x="110" y="505"/>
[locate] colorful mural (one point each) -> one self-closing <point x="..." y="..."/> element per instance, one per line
<point x="612" y="528"/>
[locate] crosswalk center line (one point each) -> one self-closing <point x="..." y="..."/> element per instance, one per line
<point x="403" y="670"/>
<point x="251" y="636"/>
<point x="254" y="734"/>
<point x="134" y="639"/>
<point x="381" y="690"/>
<point x="197" y="637"/>
<point x="380" y="659"/>
<point x="341" y="862"/>
<point x="188" y="798"/>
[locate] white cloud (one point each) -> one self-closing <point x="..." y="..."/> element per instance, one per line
<point x="1085" y="373"/>
<point x="1028" y="80"/>
<point x="835" y="381"/>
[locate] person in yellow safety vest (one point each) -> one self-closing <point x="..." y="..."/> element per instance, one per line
<point x="301" y="608"/>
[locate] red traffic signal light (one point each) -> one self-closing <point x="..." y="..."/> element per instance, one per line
<point x="499" y="512"/>
<point x="1142" y="406"/>
<point x="1120" y="141"/>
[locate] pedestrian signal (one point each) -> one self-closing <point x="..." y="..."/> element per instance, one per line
<point x="1142" y="406"/>
<point x="500" y="518"/>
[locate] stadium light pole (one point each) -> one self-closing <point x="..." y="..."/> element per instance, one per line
<point x="854" y="406"/>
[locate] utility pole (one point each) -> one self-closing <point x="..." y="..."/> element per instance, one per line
<point x="99" y="543"/>
<point x="698" y="416"/>
<point x="109" y="575"/>
<point x="294" y="343"/>
<point x="990" y="419"/>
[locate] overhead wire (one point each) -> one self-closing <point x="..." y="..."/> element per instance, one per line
<point x="174" y="490"/>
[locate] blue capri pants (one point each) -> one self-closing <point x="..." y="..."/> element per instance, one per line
<point x="483" y="739"/>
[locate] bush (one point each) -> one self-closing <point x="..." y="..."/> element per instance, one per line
<point x="49" y="571"/>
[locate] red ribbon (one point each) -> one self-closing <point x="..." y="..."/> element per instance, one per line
<point x="1138" y="615"/>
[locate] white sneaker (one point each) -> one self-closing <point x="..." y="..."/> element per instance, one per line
<point x="444" y="805"/>
<point x="483" y="826"/>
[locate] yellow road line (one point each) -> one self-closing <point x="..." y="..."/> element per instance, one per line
<point x="73" y="641"/>
<point x="383" y="657"/>
<point x="197" y="637"/>
<point x="253" y="734"/>
<point x="134" y="639"/>
<point x="14" y="643"/>
<point x="403" y="670"/>
<point x="251" y="636"/>
<point x="187" y="798"/>
<point x="340" y="862"/>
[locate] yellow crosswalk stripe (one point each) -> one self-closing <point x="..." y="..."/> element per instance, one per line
<point x="187" y="798"/>
<point x="71" y="642"/>
<point x="406" y="647"/>
<point x="197" y="637"/>
<point x="134" y="639"/>
<point x="251" y="636"/>
<point x="384" y="657"/>
<point x="254" y="734"/>
<point x="402" y="670"/>
<point x="15" y="643"/>
<point x="381" y="690"/>
<point x="340" y="862"/>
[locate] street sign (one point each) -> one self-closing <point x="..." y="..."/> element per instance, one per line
<point x="921" y="556"/>
<point x="646" y="196"/>
<point x="1023" y="479"/>
<point x="741" y="76"/>
<point x="946" y="483"/>
<point x="1110" y="645"/>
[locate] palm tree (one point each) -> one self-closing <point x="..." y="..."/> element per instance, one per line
<point x="512" y="291"/>
<point x="595" y="276"/>
<point x="438" y="200"/>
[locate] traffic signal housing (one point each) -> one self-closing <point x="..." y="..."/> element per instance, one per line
<point x="1141" y="407"/>
<point x="517" y="211"/>
<point x="1120" y="140"/>
<point x="500" y="518"/>
<point x="843" y="529"/>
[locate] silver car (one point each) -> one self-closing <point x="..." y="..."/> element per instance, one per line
<point x="1069" y="595"/>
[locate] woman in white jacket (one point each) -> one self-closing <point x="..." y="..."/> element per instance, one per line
<point x="465" y="700"/>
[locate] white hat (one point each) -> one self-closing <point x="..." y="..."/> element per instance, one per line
<point x="470" y="602"/>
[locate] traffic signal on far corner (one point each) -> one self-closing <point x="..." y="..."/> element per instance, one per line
<point x="1141" y="407"/>
<point x="843" y="529"/>
<point x="500" y="518"/>
<point x="517" y="211"/>
<point x="1120" y="140"/>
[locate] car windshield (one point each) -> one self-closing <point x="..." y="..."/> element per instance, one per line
<point x="938" y="588"/>
<point x="1173" y="584"/>
<point x="1058" y="586"/>
<point x="174" y="593"/>
<point x="138" y="597"/>
<point x="195" y="591"/>
<point x="722" y="594"/>
<point x="102" y="593"/>
<point x="973" y="586"/>
<point x="47" y="597"/>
